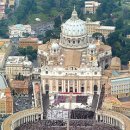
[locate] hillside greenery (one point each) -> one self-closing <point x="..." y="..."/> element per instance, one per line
<point x="46" y="10"/>
<point x="111" y="12"/>
<point x="116" y="13"/>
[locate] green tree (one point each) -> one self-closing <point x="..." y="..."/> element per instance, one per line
<point x="112" y="37"/>
<point x="57" y="22"/>
<point x="4" y="28"/>
<point x="119" y="23"/>
<point x="29" y="51"/>
<point x="97" y="35"/>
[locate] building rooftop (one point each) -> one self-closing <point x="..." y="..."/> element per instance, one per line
<point x="115" y="73"/>
<point x="107" y="27"/>
<point x="15" y="59"/>
<point x="91" y="3"/>
<point x="19" y="26"/>
<point x="19" y="84"/>
<point x="94" y="23"/>
<point x="29" y="39"/>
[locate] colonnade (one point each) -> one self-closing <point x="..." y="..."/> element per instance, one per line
<point x="110" y="119"/>
<point x="19" y="118"/>
<point x="32" y="115"/>
<point x="25" y="119"/>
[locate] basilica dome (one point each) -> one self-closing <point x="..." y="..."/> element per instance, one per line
<point x="74" y="26"/>
<point x="74" y="33"/>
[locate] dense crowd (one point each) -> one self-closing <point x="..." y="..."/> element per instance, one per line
<point x="81" y="99"/>
<point x="79" y="113"/>
<point x="62" y="125"/>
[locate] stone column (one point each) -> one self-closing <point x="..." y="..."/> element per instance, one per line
<point x="62" y="85"/>
<point x="103" y="118"/>
<point x="64" y="88"/>
<point x="79" y="87"/>
<point x="96" y="117"/>
<point x="68" y="86"/>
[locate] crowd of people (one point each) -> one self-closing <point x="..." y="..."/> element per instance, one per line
<point x="62" y="125"/>
<point x="81" y="99"/>
<point x="79" y="113"/>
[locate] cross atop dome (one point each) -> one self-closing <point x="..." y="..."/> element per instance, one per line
<point x="74" y="15"/>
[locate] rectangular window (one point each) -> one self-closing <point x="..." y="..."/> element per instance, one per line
<point x="71" y="89"/>
<point x="60" y="89"/>
<point x="82" y="89"/>
<point x="66" y="89"/>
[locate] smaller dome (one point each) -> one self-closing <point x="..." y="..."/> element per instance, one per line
<point x="55" y="46"/>
<point x="92" y="46"/>
<point x="115" y="61"/>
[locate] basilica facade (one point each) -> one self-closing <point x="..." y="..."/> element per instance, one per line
<point x="75" y="62"/>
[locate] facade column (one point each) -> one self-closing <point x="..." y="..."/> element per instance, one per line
<point x="96" y="117"/>
<point x="18" y="122"/>
<point x="33" y="117"/>
<point x="24" y="119"/>
<point x="68" y="86"/>
<point x="28" y="118"/>
<point x="105" y="119"/>
<point x="64" y="85"/>
<point x="108" y="120"/>
<point x="115" y="123"/>
<point x="100" y="117"/>
<point x="112" y="122"/>
<point x="79" y="86"/>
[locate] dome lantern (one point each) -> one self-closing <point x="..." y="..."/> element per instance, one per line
<point x="74" y="15"/>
